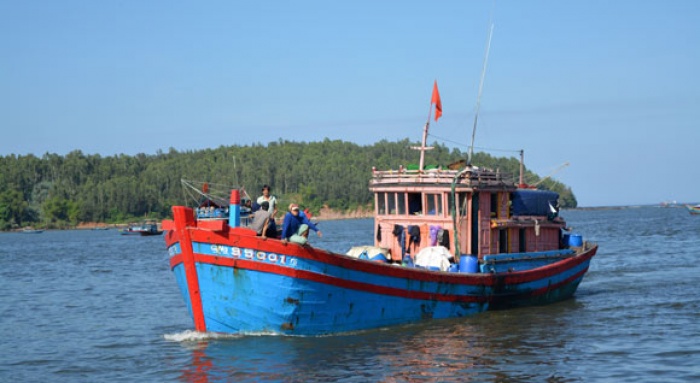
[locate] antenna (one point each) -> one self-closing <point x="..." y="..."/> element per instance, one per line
<point x="562" y="166"/>
<point x="478" y="98"/>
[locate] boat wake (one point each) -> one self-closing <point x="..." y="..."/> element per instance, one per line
<point x="197" y="336"/>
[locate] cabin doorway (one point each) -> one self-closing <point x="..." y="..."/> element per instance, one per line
<point x="503" y="241"/>
<point x="475" y="224"/>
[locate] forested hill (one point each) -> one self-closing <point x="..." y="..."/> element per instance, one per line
<point x="60" y="191"/>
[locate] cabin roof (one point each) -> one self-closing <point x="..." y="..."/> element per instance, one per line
<point x="469" y="178"/>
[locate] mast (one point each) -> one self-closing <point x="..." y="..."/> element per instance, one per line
<point x="434" y="99"/>
<point x="423" y="148"/>
<point x="478" y="98"/>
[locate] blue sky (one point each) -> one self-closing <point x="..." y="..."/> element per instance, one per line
<point x="610" y="86"/>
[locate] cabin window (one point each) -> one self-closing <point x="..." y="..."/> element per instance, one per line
<point x="381" y="203"/>
<point x="433" y="204"/>
<point x="414" y="203"/>
<point x="494" y="204"/>
<point x="462" y="206"/>
<point x="521" y="241"/>
<point x="401" y="203"/>
<point x="430" y="204"/>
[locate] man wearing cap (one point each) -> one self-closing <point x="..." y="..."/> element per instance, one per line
<point x="293" y="220"/>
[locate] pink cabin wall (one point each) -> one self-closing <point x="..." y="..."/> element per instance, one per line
<point x="485" y="242"/>
<point x="547" y="240"/>
<point x="385" y="222"/>
<point x="389" y="241"/>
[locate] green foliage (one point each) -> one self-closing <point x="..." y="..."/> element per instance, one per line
<point x="64" y="190"/>
<point x="13" y="208"/>
<point x="60" y="212"/>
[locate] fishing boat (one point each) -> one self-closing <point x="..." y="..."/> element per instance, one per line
<point x="31" y="230"/>
<point x="150" y="229"/>
<point x="131" y="230"/>
<point x="143" y="230"/>
<point x="448" y="242"/>
<point x="693" y="210"/>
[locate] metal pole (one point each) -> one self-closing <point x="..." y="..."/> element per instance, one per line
<point x="478" y="98"/>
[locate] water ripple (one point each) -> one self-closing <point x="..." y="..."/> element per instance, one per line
<point x="90" y="306"/>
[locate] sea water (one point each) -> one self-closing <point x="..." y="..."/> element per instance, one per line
<point x="94" y="306"/>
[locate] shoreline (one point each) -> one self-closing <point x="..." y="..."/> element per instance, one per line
<point x="326" y="214"/>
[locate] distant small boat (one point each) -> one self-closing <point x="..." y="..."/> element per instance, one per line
<point x="131" y="230"/>
<point x="29" y="230"/>
<point x="693" y="210"/>
<point x="150" y="229"/>
<point x="142" y="230"/>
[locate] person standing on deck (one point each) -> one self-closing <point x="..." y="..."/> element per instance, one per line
<point x="272" y="207"/>
<point x="270" y="199"/>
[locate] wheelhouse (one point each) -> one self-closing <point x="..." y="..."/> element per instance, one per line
<point x="471" y="211"/>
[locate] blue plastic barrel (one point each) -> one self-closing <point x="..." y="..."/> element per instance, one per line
<point x="468" y="263"/>
<point x="575" y="240"/>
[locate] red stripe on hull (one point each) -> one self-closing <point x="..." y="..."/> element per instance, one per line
<point x="549" y="270"/>
<point x="334" y="281"/>
<point x="182" y="217"/>
<point x="565" y="282"/>
<point x="244" y="240"/>
<point x="278" y="247"/>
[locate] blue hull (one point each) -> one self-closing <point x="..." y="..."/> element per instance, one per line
<point x="235" y="303"/>
<point x="306" y="291"/>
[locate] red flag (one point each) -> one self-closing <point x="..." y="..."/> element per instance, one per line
<point x="436" y="100"/>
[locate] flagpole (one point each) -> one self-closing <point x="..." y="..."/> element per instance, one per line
<point x="425" y="137"/>
<point x="422" y="147"/>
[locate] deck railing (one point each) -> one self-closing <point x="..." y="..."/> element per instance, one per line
<point x="474" y="177"/>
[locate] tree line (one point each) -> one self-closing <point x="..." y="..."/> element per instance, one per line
<point x="55" y="191"/>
